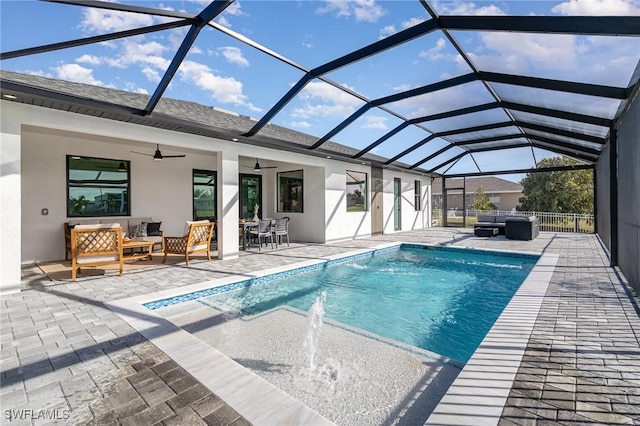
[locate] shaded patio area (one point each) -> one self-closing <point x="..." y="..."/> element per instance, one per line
<point x="62" y="349"/>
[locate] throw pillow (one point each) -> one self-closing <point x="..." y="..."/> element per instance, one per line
<point x="153" y="228"/>
<point x="138" y="231"/>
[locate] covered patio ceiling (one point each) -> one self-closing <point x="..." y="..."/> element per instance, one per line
<point x="511" y="85"/>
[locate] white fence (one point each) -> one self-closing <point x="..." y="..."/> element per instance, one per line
<point x="554" y="222"/>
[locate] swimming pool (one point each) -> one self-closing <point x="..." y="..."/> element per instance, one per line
<point x="253" y="362"/>
<point x="443" y="300"/>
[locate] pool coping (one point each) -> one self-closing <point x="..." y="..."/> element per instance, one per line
<point x="260" y="402"/>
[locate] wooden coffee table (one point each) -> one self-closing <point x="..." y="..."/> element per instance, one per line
<point x="141" y="244"/>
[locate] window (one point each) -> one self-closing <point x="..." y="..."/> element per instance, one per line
<point x="290" y="195"/>
<point x="204" y="195"/>
<point x="97" y="187"/>
<point x="356" y="191"/>
<point x="417" y="195"/>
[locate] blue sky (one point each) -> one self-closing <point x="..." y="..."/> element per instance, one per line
<point x="223" y="72"/>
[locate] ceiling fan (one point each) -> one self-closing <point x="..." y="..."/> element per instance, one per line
<point x="158" y="155"/>
<point x="257" y="167"/>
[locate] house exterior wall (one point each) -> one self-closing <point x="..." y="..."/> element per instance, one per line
<point x="410" y="217"/>
<point x="35" y="142"/>
<point x="509" y="201"/>
<point x="10" y="200"/>
<point x="161" y="190"/>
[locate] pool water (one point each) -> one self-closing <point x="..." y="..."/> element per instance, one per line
<point x="443" y="300"/>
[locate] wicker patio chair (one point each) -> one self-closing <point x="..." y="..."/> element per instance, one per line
<point x="95" y="245"/>
<point x="197" y="239"/>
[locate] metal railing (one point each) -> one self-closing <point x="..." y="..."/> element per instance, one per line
<point x="549" y="221"/>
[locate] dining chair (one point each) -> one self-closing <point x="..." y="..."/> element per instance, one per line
<point x="262" y="231"/>
<point x="281" y="229"/>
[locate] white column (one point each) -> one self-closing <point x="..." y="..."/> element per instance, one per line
<point x="228" y="203"/>
<point x="10" y="201"/>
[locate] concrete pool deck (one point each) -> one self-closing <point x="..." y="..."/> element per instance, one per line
<point x="64" y="350"/>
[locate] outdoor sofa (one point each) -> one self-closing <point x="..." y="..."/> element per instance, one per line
<point x="132" y="227"/>
<point x="512" y="227"/>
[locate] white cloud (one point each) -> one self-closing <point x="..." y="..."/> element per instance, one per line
<point x="77" y="74"/>
<point x="469" y="8"/>
<point x="234" y="9"/>
<point x="375" y="122"/>
<point x="412" y="22"/>
<point x="40" y="73"/>
<point x="89" y="59"/>
<point x="132" y="87"/>
<point x="96" y="20"/>
<point x="307" y="45"/>
<point x="518" y="53"/>
<point x="362" y="10"/>
<point x="323" y="100"/>
<point x="435" y="53"/>
<point x="402" y="88"/>
<point x="134" y="52"/>
<point x="226" y="90"/>
<point x="387" y="31"/>
<point x="391" y="29"/>
<point x="234" y="55"/>
<point x="598" y="8"/>
<point x="222" y="20"/>
<point x="368" y="10"/>
<point x="443" y="100"/>
<point x="151" y="74"/>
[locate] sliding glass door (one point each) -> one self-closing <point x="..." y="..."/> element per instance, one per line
<point x="250" y="195"/>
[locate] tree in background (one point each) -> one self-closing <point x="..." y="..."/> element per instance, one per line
<point x="481" y="201"/>
<point x="559" y="191"/>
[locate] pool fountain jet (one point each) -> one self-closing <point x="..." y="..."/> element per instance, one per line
<point x="314" y="324"/>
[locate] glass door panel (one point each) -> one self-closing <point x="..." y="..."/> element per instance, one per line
<point x="250" y="195"/>
<point x="204" y="195"/>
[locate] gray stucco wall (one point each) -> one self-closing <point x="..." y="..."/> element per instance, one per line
<point x="629" y="195"/>
<point x="603" y="199"/>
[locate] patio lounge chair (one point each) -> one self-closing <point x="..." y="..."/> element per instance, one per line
<point x="95" y="245"/>
<point x="197" y="239"/>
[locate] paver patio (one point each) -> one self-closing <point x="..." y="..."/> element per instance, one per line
<point x="64" y="354"/>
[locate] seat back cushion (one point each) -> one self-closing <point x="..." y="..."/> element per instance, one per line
<point x="189" y="222"/>
<point x="153" y="228"/>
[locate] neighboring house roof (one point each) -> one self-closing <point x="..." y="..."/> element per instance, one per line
<point x="169" y="114"/>
<point x="489" y="184"/>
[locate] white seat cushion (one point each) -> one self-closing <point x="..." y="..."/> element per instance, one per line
<point x="198" y="247"/>
<point x="96" y="259"/>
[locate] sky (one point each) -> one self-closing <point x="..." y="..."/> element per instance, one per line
<point x="223" y="72"/>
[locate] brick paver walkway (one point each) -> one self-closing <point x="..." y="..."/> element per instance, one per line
<point x="64" y="354"/>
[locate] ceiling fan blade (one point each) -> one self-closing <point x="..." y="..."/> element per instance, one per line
<point x="174" y="156"/>
<point x="142" y="153"/>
